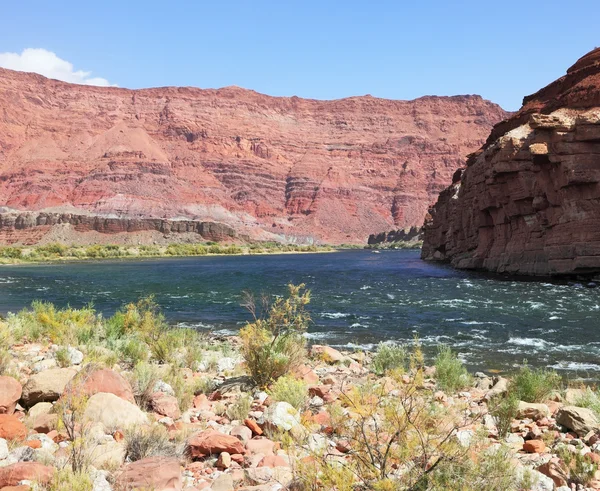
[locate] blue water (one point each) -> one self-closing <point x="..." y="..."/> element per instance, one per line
<point x="358" y="299"/>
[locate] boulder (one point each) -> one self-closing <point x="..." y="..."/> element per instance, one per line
<point x="578" y="419"/>
<point x="39" y="409"/>
<point x="107" y="455"/>
<point x="532" y="411"/>
<point x="12" y="475"/>
<point x="242" y="433"/>
<point x="211" y="442"/>
<point x="282" y="415"/>
<point x="555" y="471"/>
<point x="113" y="412"/>
<point x="223" y="483"/>
<point x="12" y="428"/>
<point x="10" y="393"/>
<point x="165" y="405"/>
<point x="500" y="387"/>
<point x="156" y="473"/>
<point x="262" y="446"/>
<point x="107" y="381"/>
<point x="326" y="353"/>
<point x="46" y="386"/>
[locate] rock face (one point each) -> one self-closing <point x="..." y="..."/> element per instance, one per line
<point x="10" y="393"/>
<point x="273" y="168"/>
<point x="528" y="201"/>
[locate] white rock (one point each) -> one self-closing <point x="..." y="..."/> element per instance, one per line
<point x="3" y="449"/>
<point x="226" y="364"/>
<point x="464" y="437"/>
<point x="541" y="482"/>
<point x="47" y="442"/>
<point x="161" y="386"/>
<point x="316" y="401"/>
<point x="42" y="365"/>
<point x="100" y="483"/>
<point x="282" y="415"/>
<point x="261" y="396"/>
<point x="317" y="443"/>
<point x="75" y="356"/>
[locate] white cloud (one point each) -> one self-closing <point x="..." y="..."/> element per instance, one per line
<point x="44" y="62"/>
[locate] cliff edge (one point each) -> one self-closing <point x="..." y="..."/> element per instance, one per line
<point x="528" y="201"/>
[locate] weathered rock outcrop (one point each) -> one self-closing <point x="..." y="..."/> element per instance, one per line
<point x="412" y="235"/>
<point x="274" y="168"/>
<point x="32" y="227"/>
<point x="528" y="201"/>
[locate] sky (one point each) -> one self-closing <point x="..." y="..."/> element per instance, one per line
<point x="315" y="49"/>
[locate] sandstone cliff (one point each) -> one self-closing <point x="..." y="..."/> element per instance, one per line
<point x="271" y="168"/>
<point x="529" y="200"/>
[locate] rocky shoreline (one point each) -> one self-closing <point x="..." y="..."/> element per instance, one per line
<point x="198" y="422"/>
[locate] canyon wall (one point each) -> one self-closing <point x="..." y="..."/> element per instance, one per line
<point x="528" y="201"/>
<point x="271" y="168"/>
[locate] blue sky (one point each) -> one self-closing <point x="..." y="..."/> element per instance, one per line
<point x="318" y="49"/>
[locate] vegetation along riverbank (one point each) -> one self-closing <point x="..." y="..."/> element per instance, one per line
<point x="61" y="252"/>
<point x="129" y="402"/>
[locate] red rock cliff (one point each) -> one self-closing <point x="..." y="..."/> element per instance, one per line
<point x="271" y="168"/>
<point x="529" y="200"/>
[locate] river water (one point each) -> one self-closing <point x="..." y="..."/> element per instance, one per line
<point x="359" y="298"/>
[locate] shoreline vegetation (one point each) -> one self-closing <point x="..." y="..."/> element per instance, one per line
<point x="61" y="252"/>
<point x="129" y="402"/>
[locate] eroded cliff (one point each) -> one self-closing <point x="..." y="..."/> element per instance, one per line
<point x="271" y="168"/>
<point x="528" y="201"/>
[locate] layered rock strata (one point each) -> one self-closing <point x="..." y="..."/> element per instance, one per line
<point x="528" y="201"/>
<point x="276" y="168"/>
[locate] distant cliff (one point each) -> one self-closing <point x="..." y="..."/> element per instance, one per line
<point x="411" y="237"/>
<point x="274" y="168"/>
<point x="529" y="200"/>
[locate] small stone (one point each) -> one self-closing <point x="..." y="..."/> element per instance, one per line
<point x="534" y="446"/>
<point x="224" y="460"/>
<point x="12" y="428"/>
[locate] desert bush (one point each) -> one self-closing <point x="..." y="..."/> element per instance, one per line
<point x="504" y="409"/>
<point x="11" y="252"/>
<point x="291" y="390"/>
<point x="134" y="350"/>
<point x="142" y="379"/>
<point x="590" y="399"/>
<point x="450" y="373"/>
<point x="274" y="344"/>
<point x="153" y="441"/>
<point x="62" y="357"/>
<point x="183" y="391"/>
<point x="581" y="470"/>
<point x="67" y="479"/>
<point x="389" y="356"/>
<point x="238" y="411"/>
<point x="534" y="385"/>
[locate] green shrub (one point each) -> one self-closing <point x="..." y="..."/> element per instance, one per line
<point x="504" y="410"/>
<point x="581" y="470"/>
<point x="11" y="252"/>
<point x="62" y="357"/>
<point x="534" y="385"/>
<point x="291" y="390"/>
<point x="142" y="380"/>
<point x="389" y="356"/>
<point x="450" y="373"/>
<point x="65" y="478"/>
<point x="238" y="411"/>
<point x="272" y="346"/>
<point x="590" y="399"/>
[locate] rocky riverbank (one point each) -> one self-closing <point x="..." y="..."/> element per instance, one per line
<point x="76" y="414"/>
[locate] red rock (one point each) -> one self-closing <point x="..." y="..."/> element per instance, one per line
<point x="21" y="487"/>
<point x="261" y="446"/>
<point x="156" y="473"/>
<point x="534" y="446"/>
<point x="10" y="393"/>
<point x="33" y="444"/>
<point x="165" y="405"/>
<point x="11" y="428"/>
<point x="11" y="475"/>
<point x="528" y="201"/>
<point x="556" y="471"/>
<point x="335" y="170"/>
<point x="594" y="458"/>
<point x="273" y="461"/>
<point x="118" y="436"/>
<point x="319" y="390"/>
<point x="201" y="402"/>
<point x="211" y="442"/>
<point x="304" y="372"/>
<point x="253" y="425"/>
<point x="343" y="446"/>
<point x="322" y="418"/>
<point x="105" y="380"/>
<point x="238" y="458"/>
